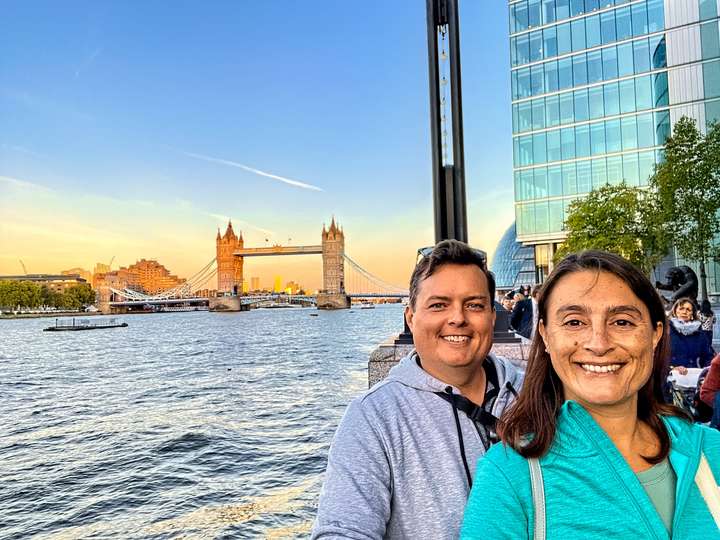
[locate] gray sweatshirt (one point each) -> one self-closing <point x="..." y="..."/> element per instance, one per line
<point x="395" y="468"/>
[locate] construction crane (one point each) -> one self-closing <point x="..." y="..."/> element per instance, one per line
<point x="23" y="267"/>
<point x="111" y="261"/>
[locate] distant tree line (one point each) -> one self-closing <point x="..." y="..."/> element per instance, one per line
<point x="680" y="207"/>
<point x="29" y="295"/>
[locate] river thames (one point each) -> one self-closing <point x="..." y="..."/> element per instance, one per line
<point x="183" y="425"/>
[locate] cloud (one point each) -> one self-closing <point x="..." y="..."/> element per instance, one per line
<point x="283" y="179"/>
<point x="22" y="184"/>
<point x="22" y="150"/>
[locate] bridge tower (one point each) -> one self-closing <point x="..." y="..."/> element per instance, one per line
<point x="230" y="268"/>
<point x="333" y="257"/>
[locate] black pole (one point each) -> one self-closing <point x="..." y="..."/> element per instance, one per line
<point x="448" y="178"/>
<point x="457" y="198"/>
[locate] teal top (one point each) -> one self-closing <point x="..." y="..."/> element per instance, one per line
<point x="659" y="483"/>
<point x="590" y="491"/>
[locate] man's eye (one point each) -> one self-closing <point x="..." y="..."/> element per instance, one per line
<point x="437" y="305"/>
<point x="477" y="306"/>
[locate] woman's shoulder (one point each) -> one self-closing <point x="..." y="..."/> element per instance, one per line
<point x="503" y="457"/>
<point x="683" y="432"/>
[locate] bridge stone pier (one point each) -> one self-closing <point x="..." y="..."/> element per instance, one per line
<point x="231" y="252"/>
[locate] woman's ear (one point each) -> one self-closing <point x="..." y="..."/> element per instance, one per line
<point x="657" y="334"/>
<point x="542" y="331"/>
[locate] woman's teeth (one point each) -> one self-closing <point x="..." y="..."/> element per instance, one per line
<point x="456" y="339"/>
<point x="601" y="369"/>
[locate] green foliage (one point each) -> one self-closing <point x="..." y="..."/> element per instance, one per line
<point x="26" y="294"/>
<point x="619" y="219"/>
<point x="688" y="188"/>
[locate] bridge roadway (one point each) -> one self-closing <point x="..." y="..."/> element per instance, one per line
<point x="249" y="299"/>
<point x="278" y="250"/>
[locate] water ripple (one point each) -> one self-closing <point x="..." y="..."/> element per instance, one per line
<point x="185" y="425"/>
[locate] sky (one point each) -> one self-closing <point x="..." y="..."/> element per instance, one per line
<point x="135" y="129"/>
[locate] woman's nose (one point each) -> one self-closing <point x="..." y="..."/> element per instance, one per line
<point x="598" y="342"/>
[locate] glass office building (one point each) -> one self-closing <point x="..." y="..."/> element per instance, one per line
<point x="596" y="87"/>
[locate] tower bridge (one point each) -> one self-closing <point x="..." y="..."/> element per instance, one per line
<point x="231" y="253"/>
<point x="339" y="286"/>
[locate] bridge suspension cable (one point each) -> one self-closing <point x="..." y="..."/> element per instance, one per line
<point x="384" y="286"/>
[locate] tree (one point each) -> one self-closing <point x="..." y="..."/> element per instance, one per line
<point x="621" y="219"/>
<point x="688" y="188"/>
<point x="78" y="296"/>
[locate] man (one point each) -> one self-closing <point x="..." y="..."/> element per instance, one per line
<point x="403" y="457"/>
<point x="525" y="313"/>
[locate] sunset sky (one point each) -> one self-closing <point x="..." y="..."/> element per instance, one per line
<point x="134" y="130"/>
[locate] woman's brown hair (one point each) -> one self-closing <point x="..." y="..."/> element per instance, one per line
<point x="529" y="426"/>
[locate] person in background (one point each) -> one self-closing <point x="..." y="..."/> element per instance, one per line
<point x="706" y="316"/>
<point x="403" y="458"/>
<point x="613" y="460"/>
<point x="709" y="391"/>
<point x="524" y="315"/>
<point x="689" y="345"/>
<point x="507" y="303"/>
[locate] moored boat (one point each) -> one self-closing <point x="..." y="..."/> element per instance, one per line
<point x="84" y="324"/>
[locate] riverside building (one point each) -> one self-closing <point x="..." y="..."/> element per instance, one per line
<point x="596" y="88"/>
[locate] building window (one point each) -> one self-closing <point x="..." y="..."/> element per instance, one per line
<point x="569" y="179"/>
<point x="552" y="111"/>
<point x="641" y="55"/>
<point x="711" y="79"/>
<point x="656" y="16"/>
<point x="625" y="60"/>
<point x="582" y="111"/>
<point x="578" y="35"/>
<point x="623" y="24"/>
<point x="643" y="93"/>
<point x="712" y="111"/>
<point x="614" y="170"/>
<point x="710" y="40"/>
<point x="599" y="173"/>
<point x="708" y="9"/>
<point x="595" y="99"/>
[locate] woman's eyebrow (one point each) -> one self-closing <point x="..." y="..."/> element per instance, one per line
<point x="625" y="309"/>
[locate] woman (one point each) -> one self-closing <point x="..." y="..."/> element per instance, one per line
<point x="689" y="344"/>
<point x="612" y="454"/>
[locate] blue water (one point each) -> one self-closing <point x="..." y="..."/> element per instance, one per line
<point x="183" y="425"/>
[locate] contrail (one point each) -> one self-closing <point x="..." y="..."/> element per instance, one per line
<point x="289" y="181"/>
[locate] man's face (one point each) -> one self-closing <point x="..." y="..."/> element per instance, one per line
<point x="452" y="321"/>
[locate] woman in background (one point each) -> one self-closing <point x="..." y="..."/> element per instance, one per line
<point x="592" y="421"/>
<point x="689" y="346"/>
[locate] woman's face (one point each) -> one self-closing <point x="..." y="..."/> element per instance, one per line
<point x="599" y="337"/>
<point x="684" y="312"/>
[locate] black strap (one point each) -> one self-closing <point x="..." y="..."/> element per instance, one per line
<point x="475" y="412"/>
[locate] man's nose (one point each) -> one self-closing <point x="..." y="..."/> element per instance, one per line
<point x="456" y="316"/>
<point x="598" y="342"/>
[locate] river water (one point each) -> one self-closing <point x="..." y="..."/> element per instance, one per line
<point x="182" y="425"/>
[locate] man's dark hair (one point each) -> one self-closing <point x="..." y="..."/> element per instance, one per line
<point x="449" y="252"/>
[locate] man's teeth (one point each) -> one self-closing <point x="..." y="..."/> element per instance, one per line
<point x="456" y="339"/>
<point x="601" y="369"/>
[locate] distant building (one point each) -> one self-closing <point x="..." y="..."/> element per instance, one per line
<point x="293" y="288"/>
<point x="85" y="274"/>
<point x="58" y="283"/>
<point x="277" y="284"/>
<point x="230" y="268"/>
<point x="254" y="283"/>
<point x="596" y="89"/>
<point x="101" y="268"/>
<point x="145" y="276"/>
<point x="513" y="264"/>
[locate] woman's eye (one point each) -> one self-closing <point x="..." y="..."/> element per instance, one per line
<point x="624" y="323"/>
<point x="573" y="322"/>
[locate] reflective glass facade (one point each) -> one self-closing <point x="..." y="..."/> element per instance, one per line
<point x="596" y="87"/>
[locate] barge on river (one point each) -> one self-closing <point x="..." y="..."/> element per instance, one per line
<point x="84" y="324"/>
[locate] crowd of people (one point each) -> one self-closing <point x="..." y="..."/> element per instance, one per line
<point x="584" y="444"/>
